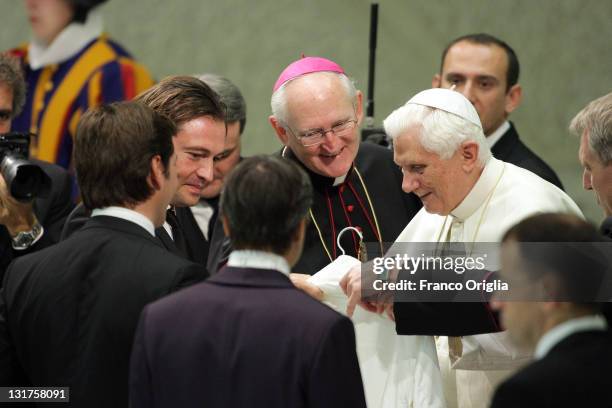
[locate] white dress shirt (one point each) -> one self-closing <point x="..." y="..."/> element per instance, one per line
<point x="499" y="132"/>
<point x="246" y="258"/>
<point x="128" y="215"/>
<point x="560" y="332"/>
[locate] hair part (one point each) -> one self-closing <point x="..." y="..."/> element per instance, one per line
<point x="278" y="102"/>
<point x="441" y="132"/>
<point x="11" y="75"/>
<point x="513" y="69"/>
<point x="231" y="97"/>
<point x="596" y="119"/>
<point x="182" y="99"/>
<point x="113" y="149"/>
<point x="264" y="199"/>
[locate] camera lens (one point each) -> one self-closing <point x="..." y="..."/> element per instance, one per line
<point x="24" y="180"/>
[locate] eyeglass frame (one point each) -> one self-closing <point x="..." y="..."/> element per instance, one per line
<point x="321" y="132"/>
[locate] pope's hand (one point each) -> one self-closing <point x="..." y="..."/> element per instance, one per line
<point x="300" y="281"/>
<point x="351" y="286"/>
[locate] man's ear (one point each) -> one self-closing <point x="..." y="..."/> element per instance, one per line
<point x="436" y="81"/>
<point x="156" y="175"/>
<point x="280" y="131"/>
<point x="226" y="228"/>
<point x="359" y="107"/>
<point x="469" y="153"/>
<point x="514" y="96"/>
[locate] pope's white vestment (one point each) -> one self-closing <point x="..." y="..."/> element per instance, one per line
<point x="397" y="371"/>
<point x="503" y="195"/>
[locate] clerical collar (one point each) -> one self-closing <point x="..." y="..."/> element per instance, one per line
<point x="560" y="332"/>
<point x="128" y="215"/>
<point x="499" y="132"/>
<point x="259" y="260"/>
<point x="73" y="38"/>
<point x="481" y="190"/>
<point x="316" y="179"/>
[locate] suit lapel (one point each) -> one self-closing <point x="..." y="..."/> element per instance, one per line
<point x="166" y="241"/>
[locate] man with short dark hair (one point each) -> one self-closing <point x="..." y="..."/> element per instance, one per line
<point x="486" y="70"/>
<point x="68" y="313"/>
<point x="27" y="227"/>
<point x="199" y="116"/>
<point x="559" y="260"/>
<point x="255" y="340"/>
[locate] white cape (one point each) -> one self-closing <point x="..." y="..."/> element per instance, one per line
<point x="397" y="371"/>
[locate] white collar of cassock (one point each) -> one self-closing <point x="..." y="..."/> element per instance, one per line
<point x="555" y="335"/>
<point x="499" y="132"/>
<point x="68" y="43"/>
<point x="246" y="258"/>
<point x="128" y="215"/>
<point x="481" y="190"/>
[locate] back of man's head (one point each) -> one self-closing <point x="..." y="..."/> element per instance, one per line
<point x="565" y="250"/>
<point x="113" y="149"/>
<point x="231" y="97"/>
<point x="513" y="70"/>
<point x="596" y="119"/>
<point x="11" y="77"/>
<point x="182" y="99"/>
<point x="264" y="200"/>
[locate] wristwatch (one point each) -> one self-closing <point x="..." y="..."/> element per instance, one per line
<point x="25" y="239"/>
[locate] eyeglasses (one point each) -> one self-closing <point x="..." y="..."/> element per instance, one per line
<point x="316" y="137"/>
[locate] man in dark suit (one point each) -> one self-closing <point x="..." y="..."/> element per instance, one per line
<point x="27" y="227"/>
<point x="68" y="313"/>
<point x="247" y="336"/>
<point x="593" y="125"/>
<point x="572" y="341"/>
<point x="199" y="116"/>
<point x="486" y="71"/>
<point x="201" y="219"/>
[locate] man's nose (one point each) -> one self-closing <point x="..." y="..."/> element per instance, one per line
<point x="410" y="183"/>
<point x="469" y="91"/>
<point x="206" y="170"/>
<point x="330" y="140"/>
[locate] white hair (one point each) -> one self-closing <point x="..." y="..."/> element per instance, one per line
<point x="441" y="133"/>
<point x="278" y="102"/>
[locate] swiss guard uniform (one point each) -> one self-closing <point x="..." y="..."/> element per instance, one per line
<point x="82" y="67"/>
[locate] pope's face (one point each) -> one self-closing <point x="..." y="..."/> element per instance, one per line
<point x="225" y="161"/>
<point x="48" y="18"/>
<point x="440" y="184"/>
<point x="196" y="144"/>
<point x="596" y="175"/>
<point x="319" y="102"/>
<point x="479" y="72"/>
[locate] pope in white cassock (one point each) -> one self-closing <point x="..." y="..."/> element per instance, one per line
<point x="468" y="196"/>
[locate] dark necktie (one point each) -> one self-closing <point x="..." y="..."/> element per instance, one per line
<point x="177" y="234"/>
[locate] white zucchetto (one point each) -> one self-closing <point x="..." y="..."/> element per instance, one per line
<point x="448" y="101"/>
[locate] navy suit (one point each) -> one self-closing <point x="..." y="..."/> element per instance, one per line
<point x="575" y="373"/>
<point x="244" y="338"/>
<point x="511" y="149"/>
<point x="68" y="313"/>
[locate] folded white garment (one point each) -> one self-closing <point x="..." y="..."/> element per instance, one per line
<point x="397" y="371"/>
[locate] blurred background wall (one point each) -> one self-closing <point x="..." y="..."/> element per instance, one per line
<point x="564" y="47"/>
